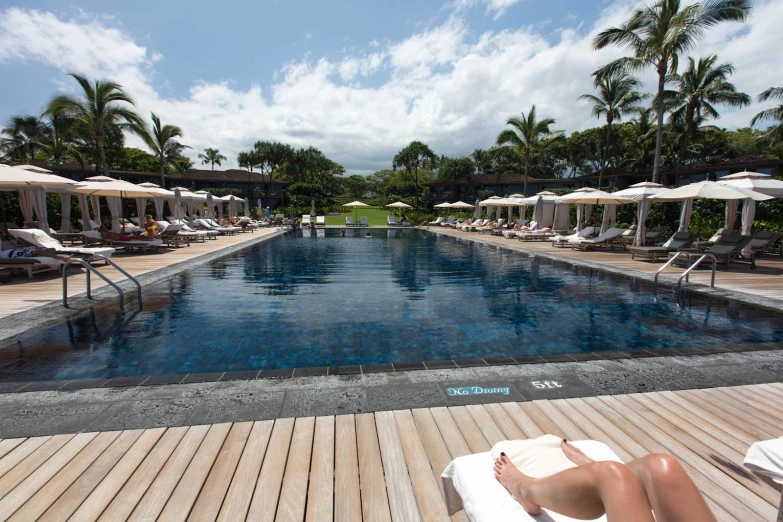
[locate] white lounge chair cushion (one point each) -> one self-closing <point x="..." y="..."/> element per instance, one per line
<point x="41" y="239"/>
<point x="469" y="483"/>
<point x="766" y="458"/>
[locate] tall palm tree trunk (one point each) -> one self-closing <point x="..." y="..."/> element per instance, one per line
<point x="162" y="172"/>
<point x="102" y="153"/>
<point x="606" y="149"/>
<point x="527" y="168"/>
<point x="659" y="130"/>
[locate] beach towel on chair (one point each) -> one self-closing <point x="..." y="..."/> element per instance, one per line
<point x="469" y="482"/>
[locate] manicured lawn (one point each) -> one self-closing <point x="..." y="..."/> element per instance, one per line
<point x="376" y="217"/>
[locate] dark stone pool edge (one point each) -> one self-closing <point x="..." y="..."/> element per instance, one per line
<point x="663" y="281"/>
<point x="325" y="371"/>
<point x="105" y="298"/>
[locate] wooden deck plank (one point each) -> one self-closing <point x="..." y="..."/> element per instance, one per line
<point x="760" y="403"/>
<point x="320" y="498"/>
<point x="133" y="490"/>
<point x="184" y="495"/>
<point x="33" y="461"/>
<point x="347" y="496"/>
<point x="291" y="506"/>
<point x="41" y="474"/>
<point x="756" y="425"/>
<point x="454" y="440"/>
<point x="7" y="445"/>
<point x="240" y="493"/>
<point x="45" y="496"/>
<point x="525" y="423"/>
<point x="729" y="414"/>
<point x="21" y="452"/>
<point x="591" y="431"/>
<point x="752" y="505"/>
<point x="102" y="495"/>
<point x="571" y="430"/>
<point x="469" y="430"/>
<point x="402" y="501"/>
<point x="375" y="501"/>
<point x="264" y="504"/>
<point x="210" y="499"/>
<point x="541" y="419"/>
<point x="486" y="424"/>
<point x="509" y="428"/>
<point x="72" y="498"/>
<point x="154" y="500"/>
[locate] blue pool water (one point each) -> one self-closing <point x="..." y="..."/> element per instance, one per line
<point x="401" y="296"/>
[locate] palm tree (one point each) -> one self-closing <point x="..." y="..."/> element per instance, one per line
<point x="642" y="132"/>
<point x="20" y="136"/>
<point x="163" y="144"/>
<point x="700" y="88"/>
<point x="482" y="160"/>
<point x="59" y="138"/>
<point x="100" y="109"/>
<point x="212" y="156"/>
<point x="657" y="34"/>
<point x="617" y="96"/>
<point x="775" y="114"/>
<point x="527" y="134"/>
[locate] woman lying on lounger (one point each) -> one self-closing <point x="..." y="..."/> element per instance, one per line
<point x="108" y="234"/>
<point x="16" y="253"/>
<point x="621" y="491"/>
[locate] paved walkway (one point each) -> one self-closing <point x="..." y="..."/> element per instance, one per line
<point x="382" y="466"/>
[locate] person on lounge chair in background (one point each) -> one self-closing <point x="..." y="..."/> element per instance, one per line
<point x="623" y="492"/>
<point x="150" y="227"/>
<point x="108" y="234"/>
<point x="21" y="252"/>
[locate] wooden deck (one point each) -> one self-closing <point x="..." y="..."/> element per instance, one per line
<point x="375" y="467"/>
<point x="23" y="294"/>
<point x="764" y="281"/>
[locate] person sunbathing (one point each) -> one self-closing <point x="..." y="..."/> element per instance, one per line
<point x="150" y="227"/>
<point x="22" y="252"/>
<point x="621" y="491"/>
<point x="109" y="235"/>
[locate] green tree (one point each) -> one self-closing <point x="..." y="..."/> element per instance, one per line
<point x="269" y="158"/>
<point x="162" y="141"/>
<point x="456" y="170"/>
<point x="413" y="158"/>
<point x="20" y="138"/>
<point x="355" y="186"/>
<point x="527" y="133"/>
<point x="101" y="108"/>
<point x="617" y="97"/>
<point x="212" y="156"/>
<point x="481" y="158"/>
<point x="775" y="114"/>
<point x="640" y="139"/>
<point x="702" y="86"/>
<point x="658" y="34"/>
<point x="58" y="139"/>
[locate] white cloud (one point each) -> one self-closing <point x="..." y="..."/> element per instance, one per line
<point x="497" y="8"/>
<point x="442" y="85"/>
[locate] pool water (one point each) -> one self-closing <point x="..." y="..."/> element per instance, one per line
<point x="406" y="295"/>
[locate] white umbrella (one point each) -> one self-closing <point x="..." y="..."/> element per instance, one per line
<point x="158" y="201"/>
<point x="113" y="190"/>
<point x="178" y="211"/>
<point x="312" y="207"/>
<point x="641" y="193"/>
<point x="17" y="177"/>
<point x="462" y="204"/>
<point x="232" y="207"/>
<point x="210" y="206"/>
<point x="29" y="168"/>
<point x="356" y="205"/>
<point x="400" y="204"/>
<point x="442" y="205"/>
<point x="763" y="183"/>
<point x="590" y="197"/>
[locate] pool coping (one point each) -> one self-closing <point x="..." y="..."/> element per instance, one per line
<point x="326" y="371"/>
<point x="105" y="297"/>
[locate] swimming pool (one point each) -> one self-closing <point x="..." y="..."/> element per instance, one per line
<point x="402" y="296"/>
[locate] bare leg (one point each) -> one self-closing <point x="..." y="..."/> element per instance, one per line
<point x="585" y="492"/>
<point x="672" y="494"/>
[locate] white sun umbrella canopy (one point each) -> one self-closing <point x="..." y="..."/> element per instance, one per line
<point x="714" y="190"/>
<point x="756" y="181"/>
<point x="32" y="187"/>
<point x="355" y="205"/>
<point x="543" y="205"/>
<point x="113" y="190"/>
<point x="440" y="205"/>
<point x="400" y="204"/>
<point x="477" y="212"/>
<point x="641" y="193"/>
<point x="583" y="211"/>
<point x="162" y="194"/>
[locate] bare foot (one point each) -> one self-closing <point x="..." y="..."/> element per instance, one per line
<point x="574" y="454"/>
<point x="516" y="483"/>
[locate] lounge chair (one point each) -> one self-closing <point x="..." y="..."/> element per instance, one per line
<point x="188" y="233"/>
<point x="469" y="482"/>
<point x="448" y="222"/>
<point x="679" y="241"/>
<point x="473" y="227"/>
<point x="40" y="239"/>
<point x="498" y="230"/>
<point x="391" y="221"/>
<point x="765" y="458"/>
<point x="31" y="265"/>
<point x="762" y="240"/>
<point x="320" y="221"/>
<point x="405" y="223"/>
<point x="562" y="241"/>
<point x="207" y="225"/>
<point x="607" y="239"/>
<point x="171" y="237"/>
<point x="306" y="219"/>
<point x="436" y="222"/>
<point x="245" y="223"/>
<point x="535" y="235"/>
<point x="94" y="236"/>
<point x="363" y="222"/>
<point x="721" y="232"/>
<point x="278" y="218"/>
<point x="729" y="248"/>
<point x="349" y="222"/>
<point x="653" y="236"/>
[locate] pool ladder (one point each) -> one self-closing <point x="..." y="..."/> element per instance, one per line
<point x="92" y="269"/>
<point x="687" y="274"/>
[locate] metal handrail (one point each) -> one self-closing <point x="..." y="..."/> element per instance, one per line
<point x="123" y="272"/>
<point x="667" y="264"/>
<point x="89" y="268"/>
<point x="687" y="274"/>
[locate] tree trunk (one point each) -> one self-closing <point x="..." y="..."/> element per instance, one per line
<point x="606" y="149"/>
<point x="527" y="166"/>
<point x="102" y="153"/>
<point x="686" y="136"/>
<point x="659" y="130"/>
<point x="162" y="173"/>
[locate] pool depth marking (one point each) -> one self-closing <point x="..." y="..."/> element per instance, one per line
<point x="546" y="384"/>
<point x="477" y="390"/>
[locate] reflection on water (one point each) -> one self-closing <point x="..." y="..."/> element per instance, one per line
<point x="315" y="299"/>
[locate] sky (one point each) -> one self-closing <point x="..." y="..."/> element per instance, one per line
<point x="358" y="79"/>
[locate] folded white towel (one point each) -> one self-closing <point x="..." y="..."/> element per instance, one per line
<point x="469" y="482"/>
<point x="766" y="457"/>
